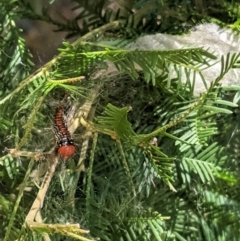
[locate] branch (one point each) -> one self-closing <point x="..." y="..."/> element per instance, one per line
<point x="83" y="111"/>
<point x="71" y="230"/>
<point x="38" y="202"/>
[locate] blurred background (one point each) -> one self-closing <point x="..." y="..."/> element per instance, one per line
<point x="42" y="38"/>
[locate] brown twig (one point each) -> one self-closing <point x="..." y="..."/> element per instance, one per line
<point x="84" y="111"/>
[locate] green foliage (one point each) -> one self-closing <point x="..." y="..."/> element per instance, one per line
<point x="16" y="59"/>
<point x="151" y="162"/>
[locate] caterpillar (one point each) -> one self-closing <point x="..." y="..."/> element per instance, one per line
<point x="65" y="143"/>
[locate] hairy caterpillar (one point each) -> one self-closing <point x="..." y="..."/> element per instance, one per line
<point x="66" y="147"/>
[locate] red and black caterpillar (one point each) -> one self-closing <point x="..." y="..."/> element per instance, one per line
<point x="66" y="147"/>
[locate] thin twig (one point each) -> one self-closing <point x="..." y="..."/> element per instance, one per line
<point x="30" y="154"/>
<point x="89" y="179"/>
<point x="84" y="110"/>
<point x="38" y="202"/>
<point x="125" y="166"/>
